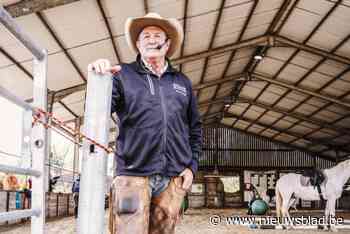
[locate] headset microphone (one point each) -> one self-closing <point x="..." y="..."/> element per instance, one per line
<point x="161" y="46"/>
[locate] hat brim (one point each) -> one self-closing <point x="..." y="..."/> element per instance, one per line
<point x="171" y="27"/>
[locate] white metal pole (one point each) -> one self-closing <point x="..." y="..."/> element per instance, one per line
<point x="19" y="170"/>
<point x="17" y="214"/>
<point x="11" y="25"/>
<point x="94" y="165"/>
<point x="39" y="146"/>
<point x="15" y="99"/>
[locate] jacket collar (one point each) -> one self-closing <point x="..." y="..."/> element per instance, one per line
<point x="140" y="67"/>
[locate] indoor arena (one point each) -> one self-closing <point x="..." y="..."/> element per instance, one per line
<point x="174" y="116"/>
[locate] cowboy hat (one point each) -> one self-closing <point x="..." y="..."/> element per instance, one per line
<point x="171" y="27"/>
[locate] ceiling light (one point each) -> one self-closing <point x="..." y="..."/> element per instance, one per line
<point x="259" y="53"/>
<point x="258" y="57"/>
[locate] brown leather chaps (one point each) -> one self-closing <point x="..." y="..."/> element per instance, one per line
<point x="133" y="211"/>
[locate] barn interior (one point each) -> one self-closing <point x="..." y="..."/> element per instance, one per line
<point x="271" y="77"/>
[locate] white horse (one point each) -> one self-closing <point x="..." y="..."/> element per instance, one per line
<point x="331" y="189"/>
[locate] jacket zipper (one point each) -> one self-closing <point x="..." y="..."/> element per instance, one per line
<point x="165" y="120"/>
<point x="150" y="83"/>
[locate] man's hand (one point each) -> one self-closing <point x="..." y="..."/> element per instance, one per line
<point x="187" y="179"/>
<point x="103" y="66"/>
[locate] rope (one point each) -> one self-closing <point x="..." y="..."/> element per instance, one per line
<point x="67" y="128"/>
<point x="37" y="120"/>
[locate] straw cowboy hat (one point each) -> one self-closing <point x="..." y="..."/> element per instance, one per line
<point x="171" y="27"/>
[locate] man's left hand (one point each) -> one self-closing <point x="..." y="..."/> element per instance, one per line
<point x="187" y="179"/>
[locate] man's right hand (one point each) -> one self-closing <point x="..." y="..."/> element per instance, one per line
<point x="103" y="66"/>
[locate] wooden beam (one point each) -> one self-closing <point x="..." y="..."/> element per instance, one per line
<point x="296" y="115"/>
<point x="293" y="134"/>
<point x="312" y="50"/>
<point x="261" y="40"/>
<point x="218" y="81"/>
<point x="301" y="90"/>
<point x="26" y="7"/>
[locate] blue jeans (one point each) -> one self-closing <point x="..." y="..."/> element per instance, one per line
<point x="158" y="183"/>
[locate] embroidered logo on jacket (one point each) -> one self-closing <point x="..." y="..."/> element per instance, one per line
<point x="180" y="89"/>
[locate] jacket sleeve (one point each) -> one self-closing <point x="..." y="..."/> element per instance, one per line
<point x="195" y="130"/>
<point x="117" y="94"/>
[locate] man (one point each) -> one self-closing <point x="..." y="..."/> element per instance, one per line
<point x="160" y="135"/>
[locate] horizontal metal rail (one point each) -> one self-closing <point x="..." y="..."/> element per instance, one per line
<point x="18" y="170"/>
<point x="18" y="214"/>
<point x="14" y="99"/>
<point x="11" y="25"/>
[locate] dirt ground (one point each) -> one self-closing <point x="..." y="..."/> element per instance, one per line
<point x="195" y="221"/>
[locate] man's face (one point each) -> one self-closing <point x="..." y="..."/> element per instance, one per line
<point x="150" y="38"/>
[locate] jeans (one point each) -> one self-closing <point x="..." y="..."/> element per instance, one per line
<point x="158" y="184"/>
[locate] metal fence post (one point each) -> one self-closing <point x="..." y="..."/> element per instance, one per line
<point x="94" y="164"/>
<point x="39" y="145"/>
<point x="38" y="142"/>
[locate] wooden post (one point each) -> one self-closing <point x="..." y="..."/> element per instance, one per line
<point x="57" y="200"/>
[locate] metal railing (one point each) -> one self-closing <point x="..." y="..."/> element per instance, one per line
<point x="38" y="133"/>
